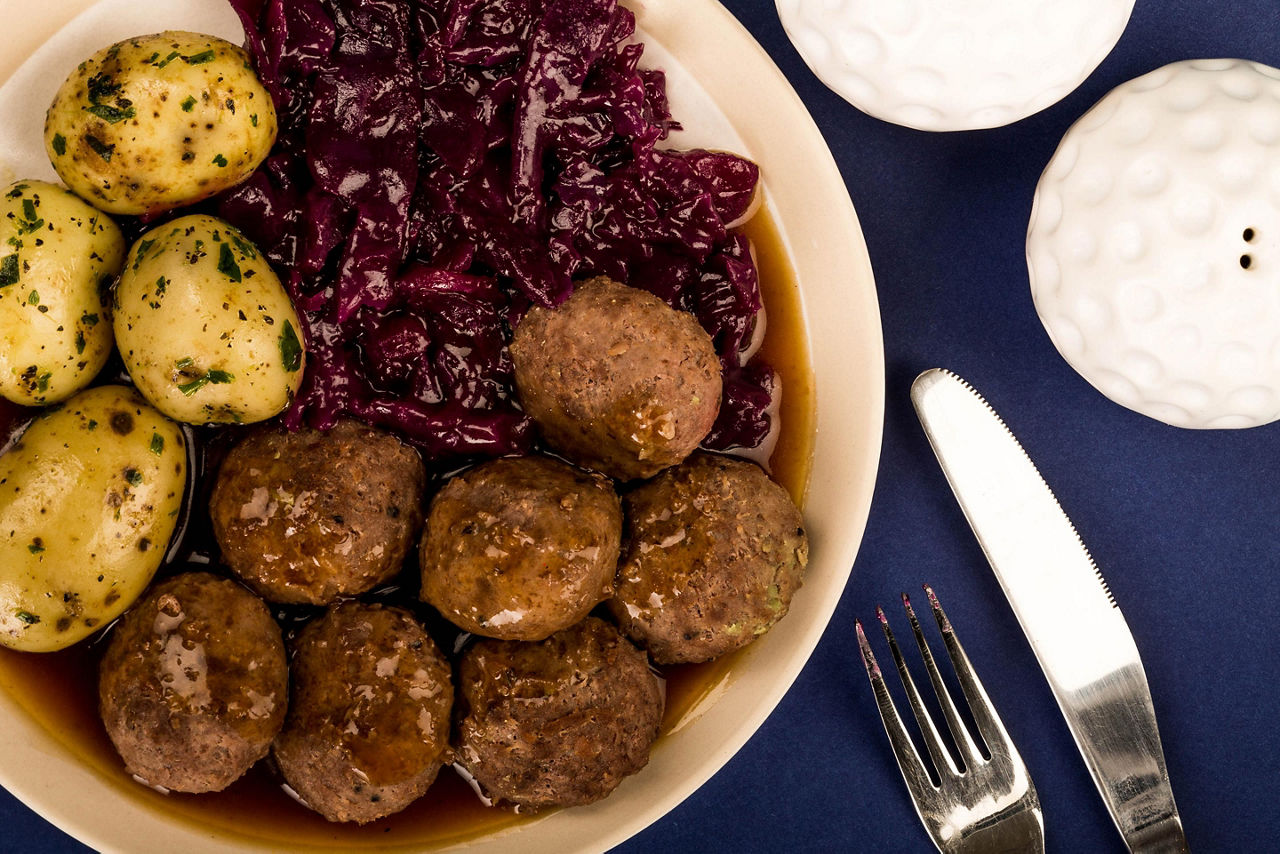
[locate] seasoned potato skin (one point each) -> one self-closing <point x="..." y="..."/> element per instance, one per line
<point x="368" y="723"/>
<point x="521" y="547"/>
<point x="308" y="517"/>
<point x="715" y="551"/>
<point x="556" y="723"/>
<point x="58" y="259"/>
<point x="89" y="498"/>
<point x="159" y="121"/>
<point x="205" y="328"/>
<point x="194" y="684"/>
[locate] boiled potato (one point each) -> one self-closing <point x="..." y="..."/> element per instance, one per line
<point x="205" y="327"/>
<point x="89" y="497"/>
<point x="159" y="121"/>
<point x="58" y="258"/>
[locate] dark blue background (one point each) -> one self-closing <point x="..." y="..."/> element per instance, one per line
<point x="1183" y="523"/>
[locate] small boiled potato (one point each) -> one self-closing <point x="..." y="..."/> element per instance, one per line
<point x="159" y="121"/>
<point x="89" y="497"/>
<point x="205" y="327"/>
<point x="58" y="258"/>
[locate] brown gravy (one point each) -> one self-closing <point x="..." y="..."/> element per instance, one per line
<point x="59" y="690"/>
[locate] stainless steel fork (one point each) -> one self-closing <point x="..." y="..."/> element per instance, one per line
<point x="984" y="803"/>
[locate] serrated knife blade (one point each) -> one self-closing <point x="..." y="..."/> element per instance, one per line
<point x="1063" y="604"/>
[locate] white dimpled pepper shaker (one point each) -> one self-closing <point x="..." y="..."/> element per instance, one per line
<point x="943" y="65"/>
<point x="1154" y="244"/>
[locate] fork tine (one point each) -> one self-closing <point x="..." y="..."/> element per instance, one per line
<point x="964" y="741"/>
<point x="928" y="730"/>
<point x="913" y="770"/>
<point x="990" y="727"/>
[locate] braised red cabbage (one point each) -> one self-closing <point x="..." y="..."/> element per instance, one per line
<point x="444" y="164"/>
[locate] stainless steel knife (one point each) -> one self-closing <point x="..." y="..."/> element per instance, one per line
<point x="1063" y="604"/>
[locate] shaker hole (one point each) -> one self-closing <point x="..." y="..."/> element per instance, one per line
<point x="1248" y="235"/>
<point x="1246" y="262"/>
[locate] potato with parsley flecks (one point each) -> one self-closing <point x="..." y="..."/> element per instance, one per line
<point x="89" y="498"/>
<point x="205" y="328"/>
<point x="58" y="258"/>
<point x="159" y="121"/>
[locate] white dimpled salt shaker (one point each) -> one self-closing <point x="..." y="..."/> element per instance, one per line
<point x="944" y="65"/>
<point x="1154" y="244"/>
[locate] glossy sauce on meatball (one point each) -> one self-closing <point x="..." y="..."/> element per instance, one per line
<point x="368" y="723"/>
<point x="715" y="551"/>
<point x="521" y="547"/>
<point x="310" y="516"/>
<point x="556" y="723"/>
<point x="194" y="683"/>
<point x="617" y="380"/>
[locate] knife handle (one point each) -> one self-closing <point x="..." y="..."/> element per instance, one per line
<point x="1164" y="837"/>
<point x="1114" y="725"/>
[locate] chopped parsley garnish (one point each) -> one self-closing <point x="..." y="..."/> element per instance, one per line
<point x="102" y="87"/>
<point x="215" y="377"/>
<point x="168" y="59"/>
<point x="26" y="616"/>
<point x="253" y="119"/>
<point x="33" y="298"/>
<point x="89" y="319"/>
<point x="227" y="265"/>
<point x="31" y="220"/>
<point x="187" y="103"/>
<point x="9" y="270"/>
<point x="184" y="363"/>
<point x="157" y="444"/>
<point x="111" y="114"/>
<point x="201" y="57"/>
<point x="99" y="147"/>
<point x="219" y="160"/>
<point x="42" y="381"/>
<point x="290" y="348"/>
<point x="59" y="144"/>
<point x="246" y="248"/>
<point x="133" y="476"/>
<point x="80" y="342"/>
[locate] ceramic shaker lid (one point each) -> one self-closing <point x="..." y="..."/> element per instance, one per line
<point x="1154" y="244"/>
<point x="953" y="64"/>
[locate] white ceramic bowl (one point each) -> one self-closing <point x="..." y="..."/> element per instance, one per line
<point x="729" y="95"/>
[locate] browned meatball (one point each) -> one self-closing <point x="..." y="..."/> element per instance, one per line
<point x="194" y="683"/>
<point x="521" y="547"/>
<point x="715" y="551"/>
<point x="308" y="517"/>
<point x="368" y="725"/>
<point x="556" y="723"/>
<point x="617" y="380"/>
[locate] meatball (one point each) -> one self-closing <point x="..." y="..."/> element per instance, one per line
<point x="194" y="683"/>
<point x="715" y="552"/>
<point x="617" y="380"/>
<point x="556" y="723"/>
<point x="368" y="725"/>
<point x="521" y="547"/>
<point x="310" y="516"/>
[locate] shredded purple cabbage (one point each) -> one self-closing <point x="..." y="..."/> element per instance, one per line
<point x="442" y="165"/>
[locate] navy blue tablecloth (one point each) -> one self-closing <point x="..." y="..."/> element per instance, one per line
<point x="1183" y="523"/>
